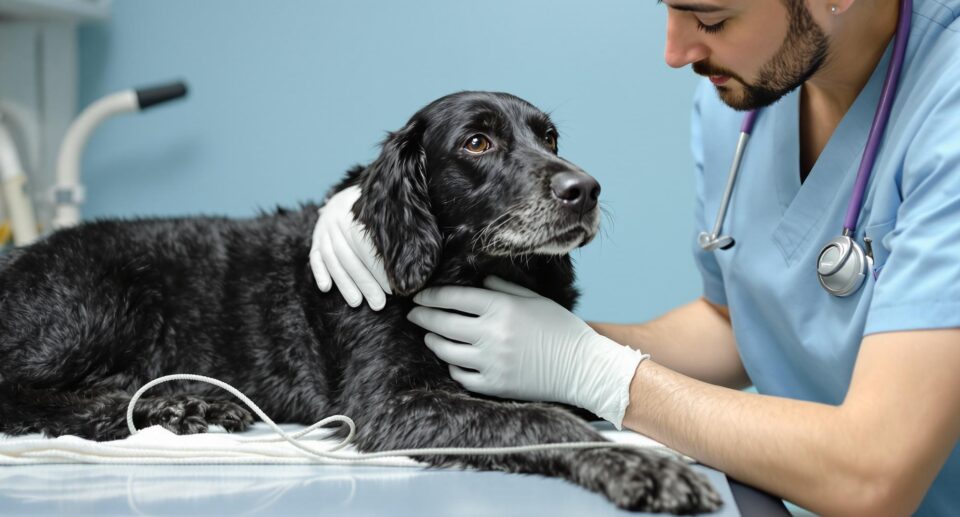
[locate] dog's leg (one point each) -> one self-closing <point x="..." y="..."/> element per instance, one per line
<point x="102" y="416"/>
<point x="635" y="480"/>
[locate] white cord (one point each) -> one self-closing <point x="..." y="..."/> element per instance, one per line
<point x="330" y="453"/>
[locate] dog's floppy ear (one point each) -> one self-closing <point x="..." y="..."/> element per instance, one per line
<point x="395" y="209"/>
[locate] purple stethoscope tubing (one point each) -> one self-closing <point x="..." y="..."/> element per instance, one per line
<point x="747" y="126"/>
<point x="879" y="125"/>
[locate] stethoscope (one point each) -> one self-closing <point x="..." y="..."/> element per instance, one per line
<point x="842" y="264"/>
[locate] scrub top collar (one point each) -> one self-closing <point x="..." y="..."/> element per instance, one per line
<point x="803" y="206"/>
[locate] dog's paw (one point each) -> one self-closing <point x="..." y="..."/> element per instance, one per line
<point x="181" y="415"/>
<point x="232" y="416"/>
<point x="647" y="482"/>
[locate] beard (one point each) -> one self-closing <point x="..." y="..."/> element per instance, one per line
<point x="802" y="53"/>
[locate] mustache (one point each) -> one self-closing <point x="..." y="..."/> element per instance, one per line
<point x="705" y="69"/>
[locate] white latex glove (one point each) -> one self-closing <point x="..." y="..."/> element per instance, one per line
<point x="525" y="346"/>
<point x="342" y="254"/>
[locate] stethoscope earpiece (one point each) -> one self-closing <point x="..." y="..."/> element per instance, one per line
<point x="712" y="242"/>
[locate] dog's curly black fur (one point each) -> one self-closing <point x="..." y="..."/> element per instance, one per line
<point x="89" y="314"/>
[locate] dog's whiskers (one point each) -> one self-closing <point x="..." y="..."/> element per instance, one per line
<point x="608" y="215"/>
<point x="508" y="216"/>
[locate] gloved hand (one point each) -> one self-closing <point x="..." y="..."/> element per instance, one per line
<point x="525" y="346"/>
<point x="342" y="250"/>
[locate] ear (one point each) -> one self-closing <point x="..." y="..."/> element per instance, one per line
<point x="395" y="209"/>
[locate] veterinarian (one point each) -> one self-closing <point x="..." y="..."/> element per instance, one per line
<point x="847" y="325"/>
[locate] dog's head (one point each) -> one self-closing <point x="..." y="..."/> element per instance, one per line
<point x="477" y="170"/>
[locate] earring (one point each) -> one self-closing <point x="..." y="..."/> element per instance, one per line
<point x="833" y="9"/>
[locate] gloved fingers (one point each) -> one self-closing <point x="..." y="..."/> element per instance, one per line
<point x="471" y="300"/>
<point x="359" y="274"/>
<point x="472" y="381"/>
<point x="459" y="354"/>
<point x="340" y="277"/>
<point x="498" y="284"/>
<point x="362" y="246"/>
<point x="320" y="273"/>
<point x="452" y="326"/>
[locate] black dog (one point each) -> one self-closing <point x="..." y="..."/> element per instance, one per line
<point x="471" y="186"/>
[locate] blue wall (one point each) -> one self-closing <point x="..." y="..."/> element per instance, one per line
<point x="286" y="95"/>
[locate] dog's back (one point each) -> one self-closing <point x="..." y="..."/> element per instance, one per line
<point x="111" y="304"/>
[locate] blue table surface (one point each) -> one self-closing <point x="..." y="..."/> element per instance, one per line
<point x="182" y="490"/>
<point x="296" y="490"/>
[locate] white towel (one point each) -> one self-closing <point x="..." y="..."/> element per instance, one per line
<point x="156" y="445"/>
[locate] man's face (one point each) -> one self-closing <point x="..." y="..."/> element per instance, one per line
<point x="754" y="52"/>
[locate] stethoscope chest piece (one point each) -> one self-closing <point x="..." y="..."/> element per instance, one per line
<point x="842" y="266"/>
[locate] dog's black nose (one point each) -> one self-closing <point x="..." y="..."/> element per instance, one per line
<point x="576" y="190"/>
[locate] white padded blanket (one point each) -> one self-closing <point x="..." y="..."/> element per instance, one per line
<point x="155" y="445"/>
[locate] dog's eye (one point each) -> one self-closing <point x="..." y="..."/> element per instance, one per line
<point x="551" y="139"/>
<point x="477" y="144"/>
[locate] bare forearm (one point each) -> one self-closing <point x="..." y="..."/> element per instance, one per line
<point x="798" y="450"/>
<point x="865" y="457"/>
<point x="695" y="340"/>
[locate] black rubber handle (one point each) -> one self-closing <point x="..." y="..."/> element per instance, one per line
<point x="158" y="94"/>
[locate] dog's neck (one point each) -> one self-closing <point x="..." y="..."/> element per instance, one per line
<point x="550" y="276"/>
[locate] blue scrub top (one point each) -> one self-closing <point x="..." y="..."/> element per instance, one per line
<point x="796" y="340"/>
